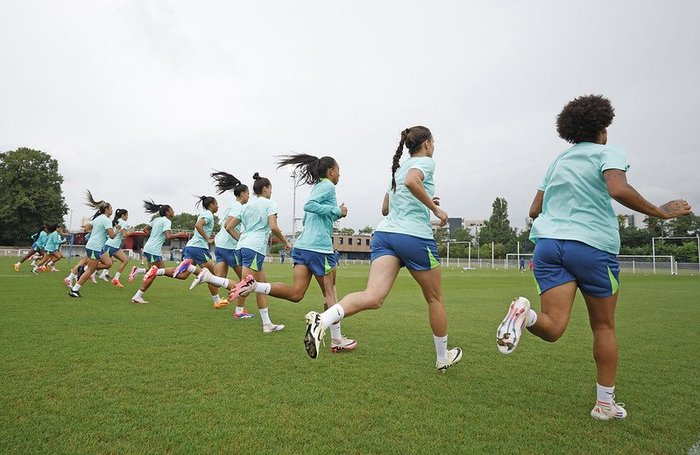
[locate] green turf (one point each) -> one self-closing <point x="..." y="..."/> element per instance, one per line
<point x="101" y="375"/>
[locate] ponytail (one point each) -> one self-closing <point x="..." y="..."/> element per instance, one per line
<point x="205" y="201"/>
<point x="260" y="183"/>
<point x="412" y="138"/>
<point x="101" y="206"/>
<point x="308" y="168"/>
<point x="152" y="207"/>
<point x="117" y="215"/>
<point x="226" y="181"/>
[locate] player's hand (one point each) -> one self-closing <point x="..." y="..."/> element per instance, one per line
<point x="210" y="240"/>
<point x="673" y="209"/>
<point x="287" y="246"/>
<point x="343" y="210"/>
<point x="440" y="213"/>
<point x="436" y="201"/>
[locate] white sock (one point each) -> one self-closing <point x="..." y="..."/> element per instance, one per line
<point x="72" y="276"/>
<point x="191" y="268"/>
<point x="138" y="294"/>
<point x="441" y="348"/>
<point x="93" y="274"/>
<point x="263" y="288"/>
<point x="218" y="281"/>
<point x="332" y="315"/>
<point x="49" y="264"/>
<point x="140" y="271"/>
<point x="605" y="394"/>
<point x="76" y="287"/>
<point x="265" y="316"/>
<point x="335" y="331"/>
<point x="160" y="272"/>
<point x="240" y="309"/>
<point x="216" y="298"/>
<point x="104" y="273"/>
<point x="117" y="275"/>
<point x="531" y="318"/>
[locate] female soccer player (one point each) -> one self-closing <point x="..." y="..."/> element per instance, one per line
<point x="100" y="229"/>
<point x="577" y="239"/>
<point x="159" y="230"/>
<point x="403" y="238"/>
<point x="37" y="247"/>
<point x="113" y="247"/>
<point x="313" y="253"/>
<point x="52" y="248"/>
<point x="259" y="217"/>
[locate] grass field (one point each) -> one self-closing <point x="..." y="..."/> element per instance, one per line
<point x="101" y="375"/>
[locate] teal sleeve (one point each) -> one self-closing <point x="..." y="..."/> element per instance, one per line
<point x="271" y="208"/>
<point x="426" y="166"/>
<point x="319" y="202"/>
<point x="614" y="158"/>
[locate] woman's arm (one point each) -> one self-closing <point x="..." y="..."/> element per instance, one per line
<point x="385" y="204"/>
<point x="272" y="221"/>
<point x="414" y="183"/>
<point x="230" y="226"/>
<point x="625" y="194"/>
<point x="199" y="226"/>
<point x="536" y="207"/>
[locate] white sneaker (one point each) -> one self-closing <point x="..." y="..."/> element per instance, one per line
<point x="105" y="277"/>
<point x="342" y="344"/>
<point x="68" y="282"/>
<point x="269" y="328"/>
<point x="314" y="333"/>
<point x="454" y="355"/>
<point x="138" y="300"/>
<point x="607" y="411"/>
<point x="201" y="278"/>
<point x="509" y="332"/>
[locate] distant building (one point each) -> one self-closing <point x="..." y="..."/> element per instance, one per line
<point x="453" y="224"/>
<point x="352" y="246"/>
<point x="473" y="226"/>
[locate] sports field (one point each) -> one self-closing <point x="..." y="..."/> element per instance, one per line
<point x="102" y="375"/>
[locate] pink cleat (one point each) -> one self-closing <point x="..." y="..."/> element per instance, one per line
<point x="243" y="288"/>
<point x="150" y="275"/>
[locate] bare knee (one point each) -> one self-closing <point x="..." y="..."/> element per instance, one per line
<point x="374" y="301"/>
<point x="296" y="295"/>
<point x="552" y="336"/>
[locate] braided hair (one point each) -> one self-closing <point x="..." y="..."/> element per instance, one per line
<point x="412" y="138"/>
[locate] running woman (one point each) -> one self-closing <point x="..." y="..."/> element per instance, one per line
<point x="313" y="253"/>
<point x="226" y="240"/>
<point x="196" y="252"/>
<point x="100" y="228"/>
<point x="113" y="247"/>
<point x="403" y="238"/>
<point x="37" y="247"/>
<point x="159" y="230"/>
<point x="577" y="239"/>
<point x="259" y="218"/>
<point x="52" y="249"/>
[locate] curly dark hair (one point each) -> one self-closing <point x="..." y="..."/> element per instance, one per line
<point x="584" y="118"/>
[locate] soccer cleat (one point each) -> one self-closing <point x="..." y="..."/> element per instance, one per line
<point x="117" y="283"/>
<point x="314" y="333"/>
<point x="150" y="275"/>
<point x="54" y="269"/>
<point x="68" y="282"/>
<point x="243" y="315"/>
<point x="17" y="266"/>
<point x="74" y="294"/>
<point x="132" y="274"/>
<point x="201" y="278"/>
<point x="269" y="328"/>
<point x="35" y="270"/>
<point x="607" y="411"/>
<point x="182" y="267"/>
<point x="93" y="280"/>
<point x="509" y="332"/>
<point x="105" y="277"/>
<point x="242" y="288"/>
<point x="221" y="304"/>
<point x="343" y="344"/>
<point x="454" y="355"/>
<point x="138" y="300"/>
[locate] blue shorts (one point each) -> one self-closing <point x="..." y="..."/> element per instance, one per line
<point x="230" y="257"/>
<point x="414" y="252"/>
<point x="152" y="258"/>
<point x="251" y="259"/>
<point x="93" y="254"/>
<point x="596" y="272"/>
<point x="36" y="247"/>
<point x="320" y="264"/>
<point x="110" y="250"/>
<point x="196" y="254"/>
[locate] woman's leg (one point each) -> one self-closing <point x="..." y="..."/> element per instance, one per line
<point x="430" y="284"/>
<point x="338" y="341"/>
<point x="601" y="313"/>
<point x="555" y="311"/>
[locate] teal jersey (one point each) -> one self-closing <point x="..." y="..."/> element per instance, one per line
<point x="41" y="241"/>
<point x="576" y="204"/>
<point x="99" y="235"/>
<point x="408" y="215"/>
<point x="254" y="217"/>
<point x="116" y="242"/>
<point x="320" y="212"/>
<point x="223" y="239"/>
<point x="159" y="226"/>
<point x="53" y="241"/>
<point x="197" y="240"/>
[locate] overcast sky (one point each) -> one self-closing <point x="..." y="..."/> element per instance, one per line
<point x="143" y="99"/>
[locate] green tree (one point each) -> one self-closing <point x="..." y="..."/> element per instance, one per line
<point x="366" y="230"/>
<point x="31" y="194"/>
<point x="655" y="226"/>
<point x="347" y="231"/>
<point x="497" y="228"/>
<point x="183" y="221"/>
<point x="463" y="235"/>
<point x="685" y="226"/>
